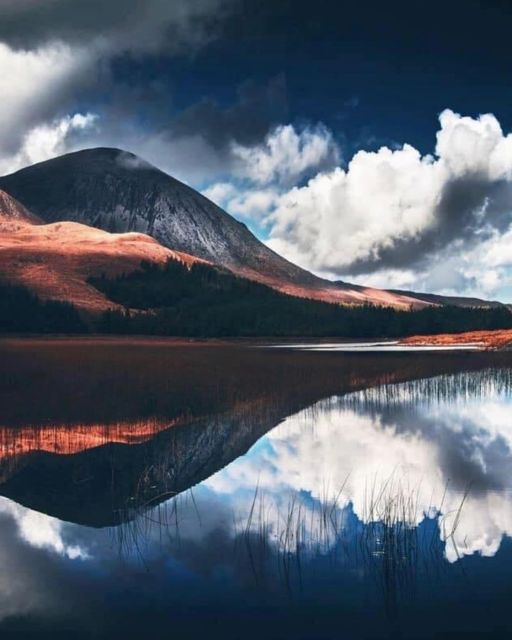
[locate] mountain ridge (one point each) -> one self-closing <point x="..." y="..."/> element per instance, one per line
<point x="118" y="192"/>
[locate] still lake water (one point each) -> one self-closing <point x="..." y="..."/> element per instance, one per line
<point x="374" y="347"/>
<point x="173" y="490"/>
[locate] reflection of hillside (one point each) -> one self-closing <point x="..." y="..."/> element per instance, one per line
<point x="105" y="381"/>
<point x="102" y="485"/>
<point x="66" y="440"/>
<point x="106" y="437"/>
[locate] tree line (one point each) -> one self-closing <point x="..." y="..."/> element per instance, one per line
<point x="200" y="300"/>
<point x="204" y="301"/>
<point x="23" y="312"/>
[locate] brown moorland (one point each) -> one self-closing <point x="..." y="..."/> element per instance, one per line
<point x="496" y="339"/>
<point x="55" y="260"/>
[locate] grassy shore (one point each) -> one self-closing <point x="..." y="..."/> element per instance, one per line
<point x="497" y="339"/>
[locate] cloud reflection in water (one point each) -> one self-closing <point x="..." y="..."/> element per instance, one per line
<point x="416" y="449"/>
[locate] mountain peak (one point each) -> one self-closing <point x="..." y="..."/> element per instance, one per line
<point x="95" y="159"/>
<point x="12" y="211"/>
<point x="117" y="191"/>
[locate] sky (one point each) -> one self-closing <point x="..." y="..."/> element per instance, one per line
<point x="369" y="142"/>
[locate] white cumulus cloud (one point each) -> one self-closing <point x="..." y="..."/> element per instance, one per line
<point x="391" y="217"/>
<point x="287" y="154"/>
<point x="46" y="141"/>
<point x="50" y="55"/>
<point x="367" y="216"/>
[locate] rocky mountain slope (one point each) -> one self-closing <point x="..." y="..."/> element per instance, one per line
<point x="55" y="260"/>
<point x="13" y="215"/>
<point x="115" y="191"/>
<point x="118" y="192"/>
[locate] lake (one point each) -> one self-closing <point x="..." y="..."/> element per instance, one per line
<point x="158" y="488"/>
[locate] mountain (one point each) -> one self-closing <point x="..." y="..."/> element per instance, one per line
<point x="13" y="215"/>
<point x="56" y="260"/>
<point x="49" y="272"/>
<point x="115" y="191"/>
<point x="118" y="192"/>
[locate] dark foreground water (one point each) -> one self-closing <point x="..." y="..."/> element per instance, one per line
<point x="189" y="491"/>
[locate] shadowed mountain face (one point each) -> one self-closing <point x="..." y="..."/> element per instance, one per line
<point x="118" y="192"/>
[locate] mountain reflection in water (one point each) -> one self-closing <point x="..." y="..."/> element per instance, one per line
<point x="345" y="491"/>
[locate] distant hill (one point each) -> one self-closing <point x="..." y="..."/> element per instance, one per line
<point x="208" y="301"/>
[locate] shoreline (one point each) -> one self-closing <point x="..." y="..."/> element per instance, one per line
<point x="498" y="339"/>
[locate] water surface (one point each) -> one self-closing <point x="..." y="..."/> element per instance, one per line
<point x="375" y="347"/>
<point x="240" y="492"/>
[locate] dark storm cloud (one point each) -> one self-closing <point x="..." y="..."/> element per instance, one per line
<point x="257" y="108"/>
<point x="92" y="36"/>
<point x="31" y="582"/>
<point x="470" y="209"/>
<point x="193" y="144"/>
<point x="113" y="24"/>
